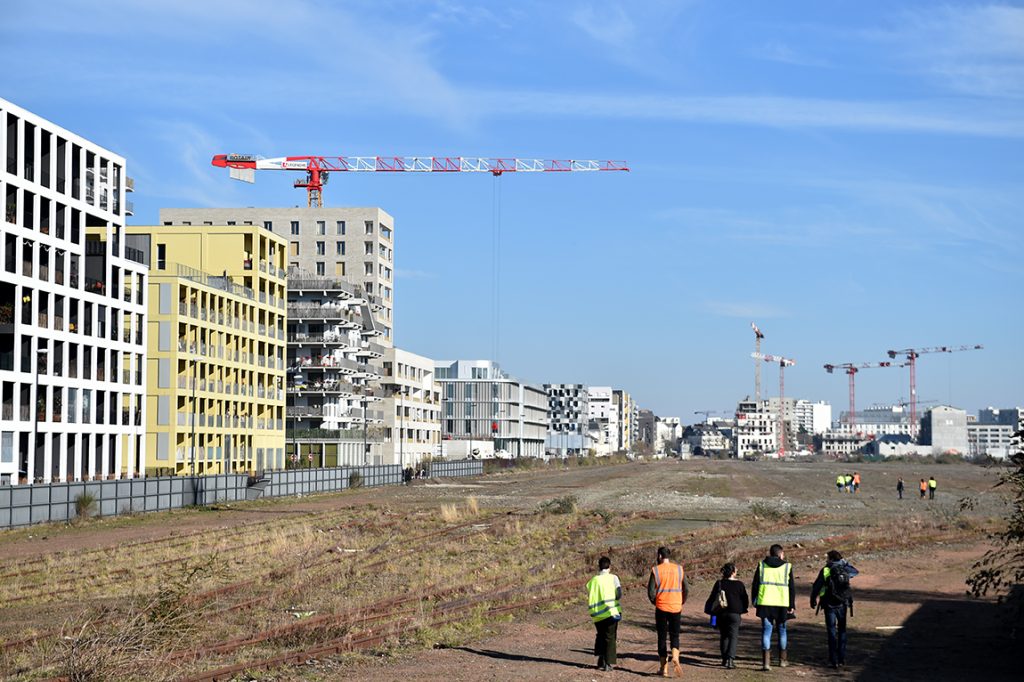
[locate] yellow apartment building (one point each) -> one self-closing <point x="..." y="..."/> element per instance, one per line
<point x="217" y="348"/>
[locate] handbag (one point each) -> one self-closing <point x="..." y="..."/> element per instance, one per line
<point x="723" y="601"/>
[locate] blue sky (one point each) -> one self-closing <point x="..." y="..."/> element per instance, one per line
<point x="847" y="174"/>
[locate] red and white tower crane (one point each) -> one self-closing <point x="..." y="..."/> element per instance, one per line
<point x="319" y="168"/>
<point x="851" y="369"/>
<point x="911" y="354"/>
<point x="758" y="335"/>
<point x="783" y="364"/>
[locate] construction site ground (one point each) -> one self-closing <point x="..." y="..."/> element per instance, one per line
<point x="480" y="579"/>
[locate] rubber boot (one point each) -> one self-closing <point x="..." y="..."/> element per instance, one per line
<point x="675" y="663"/>
<point x="766" y="660"/>
<point x="782" y="658"/>
<point x="663" y="670"/>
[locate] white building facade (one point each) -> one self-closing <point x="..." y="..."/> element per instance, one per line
<point x="814" y="418"/>
<point x="412" y="408"/>
<point x="480" y="402"/>
<point x="72" y="309"/>
<point x="604" y="418"/>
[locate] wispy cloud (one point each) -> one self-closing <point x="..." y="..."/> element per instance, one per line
<point x="976" y="49"/>
<point x="608" y="24"/>
<point x="929" y="116"/>
<point x="774" y="51"/>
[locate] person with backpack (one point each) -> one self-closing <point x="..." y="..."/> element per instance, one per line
<point x="831" y="592"/>
<point x="728" y="602"/>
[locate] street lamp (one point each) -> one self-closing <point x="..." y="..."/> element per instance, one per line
<point x="366" y="446"/>
<point x="41" y="357"/>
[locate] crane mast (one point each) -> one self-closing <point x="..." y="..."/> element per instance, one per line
<point x="783" y="364"/>
<point x="851" y="369"/>
<point x="911" y="355"/>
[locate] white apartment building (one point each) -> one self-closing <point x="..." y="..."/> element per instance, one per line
<point x="756" y="431"/>
<point x="412" y="408"/>
<point x="814" y="418"/>
<point x="668" y="434"/>
<point x="72" y="309"/>
<point x="480" y="402"/>
<point x="355" y="245"/>
<point x="604" y="417"/>
<point x="626" y="410"/>
<point x="334" y="409"/>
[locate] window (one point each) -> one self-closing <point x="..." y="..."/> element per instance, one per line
<point x="168" y="222"/>
<point x="385" y="232"/>
<point x="321" y="268"/>
<point x="369" y="226"/>
<point x="268" y="225"/>
<point x="186" y="222"/>
<point x="339" y="248"/>
<point x="293" y="248"/>
<point x="231" y="222"/>
<point x="321" y="248"/>
<point x="369" y="287"/>
<point x="207" y="222"/>
<point x="368" y="269"/>
<point x="295" y="227"/>
<point x="321" y="227"/>
<point x="247" y="222"/>
<point x="341" y="227"/>
<point x="367" y="248"/>
<point x="161" y="256"/>
<point x="339" y="269"/>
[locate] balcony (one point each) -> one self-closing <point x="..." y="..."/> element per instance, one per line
<point x="320" y="312"/>
<point x="129" y="184"/>
<point x="129" y="208"/>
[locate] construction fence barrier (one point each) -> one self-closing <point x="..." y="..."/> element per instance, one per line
<point x="25" y="505"/>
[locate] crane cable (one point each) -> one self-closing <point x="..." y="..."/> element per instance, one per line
<point x="496" y="268"/>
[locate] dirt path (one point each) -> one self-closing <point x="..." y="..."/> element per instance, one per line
<point x="943" y="636"/>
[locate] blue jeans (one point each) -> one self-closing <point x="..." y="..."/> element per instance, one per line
<point x="835" y="623"/>
<point x="766" y="634"/>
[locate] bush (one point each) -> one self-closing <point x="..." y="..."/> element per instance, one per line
<point x="560" y="505"/>
<point x="85" y="505"/>
<point x="355" y="480"/>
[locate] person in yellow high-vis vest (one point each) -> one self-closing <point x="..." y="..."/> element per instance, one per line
<point x="603" y="594"/>
<point x="774" y="593"/>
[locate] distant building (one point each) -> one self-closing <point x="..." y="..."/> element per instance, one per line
<point x="669" y="434"/>
<point x="481" y="402"/>
<point x="991" y="434"/>
<point x="814" y="418"/>
<point x="569" y="409"/>
<point x="72" y="309"/>
<point x="894" y="445"/>
<point x="944" y="428"/>
<point x="217" y="345"/>
<point x="876" y="421"/>
<point x="355" y="245"/>
<point x="647" y="428"/>
<point x="335" y="414"/>
<point x="604" y="418"/>
<point x="624" y="408"/>
<point x="412" y="408"/>
<point x="842" y="444"/>
<point x="756" y="430"/>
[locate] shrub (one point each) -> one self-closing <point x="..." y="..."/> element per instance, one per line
<point x="560" y="505"/>
<point x="85" y="505"/>
<point x="355" y="480"/>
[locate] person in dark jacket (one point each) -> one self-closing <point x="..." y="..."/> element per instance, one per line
<point x="729" y="619"/>
<point x="774" y="593"/>
<point x="835" y="606"/>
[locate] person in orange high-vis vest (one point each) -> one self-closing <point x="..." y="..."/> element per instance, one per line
<point x="924" y="488"/>
<point x="667" y="589"/>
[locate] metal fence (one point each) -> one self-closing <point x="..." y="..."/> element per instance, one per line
<point x="26" y="505"/>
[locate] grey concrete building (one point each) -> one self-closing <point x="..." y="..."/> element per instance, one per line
<point x="945" y="430"/>
<point x="355" y="245"/>
<point x="992" y="432"/>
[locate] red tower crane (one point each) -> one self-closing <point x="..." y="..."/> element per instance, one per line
<point x="783" y="364"/>
<point x="911" y="355"/>
<point x="851" y="369"/>
<point x="758" y="335"/>
<point x="318" y="168"/>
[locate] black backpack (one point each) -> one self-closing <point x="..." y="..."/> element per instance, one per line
<point x="837" y="585"/>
